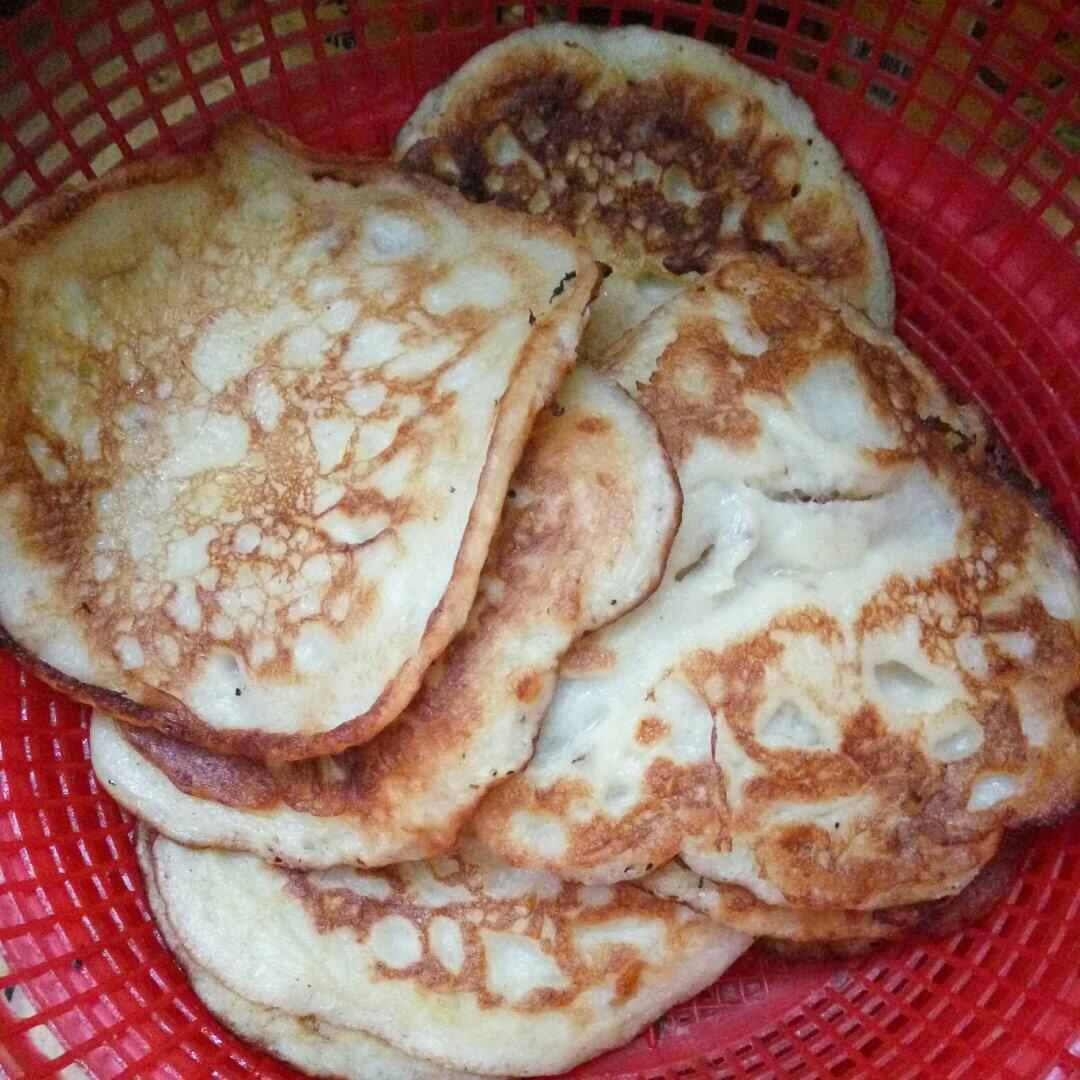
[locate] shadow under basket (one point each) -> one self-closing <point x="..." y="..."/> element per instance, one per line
<point x="962" y="121"/>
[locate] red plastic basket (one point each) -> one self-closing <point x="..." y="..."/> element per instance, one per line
<point x="962" y="119"/>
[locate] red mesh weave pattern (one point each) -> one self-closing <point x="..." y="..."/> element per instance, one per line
<point x="961" y="118"/>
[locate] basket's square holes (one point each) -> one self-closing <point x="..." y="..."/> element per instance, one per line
<point x="874" y="15"/>
<point x="867" y="1049"/>
<point x="1050" y="76"/>
<point x="969" y="23"/>
<point x="204" y="58"/>
<point x="873" y="1006"/>
<point x="110" y="71"/>
<point x="245" y="38"/>
<point x="332" y="10"/>
<point x="14" y="99"/>
<point x="763" y="47"/>
<point x="191" y="24"/>
<point x="953" y="56"/>
<point x="143" y="132"/>
<point x="90" y="128"/>
<point x="1047" y="165"/>
<point x="298" y="55"/>
<point x="164" y="78"/>
<point x="633" y="17"/>
<point x="217" y="89"/>
<point x="255" y="72"/>
<point x="126" y="102"/>
<point x="288" y="23"/>
<point x="882" y="96"/>
<point x="33" y="35"/>
<point x="51" y="67"/>
<point x="919" y="115"/>
<point x="18" y="190"/>
<point x="148" y="47"/>
<point x="70" y="99"/>
<point x="1011" y="47"/>
<point x="992" y="163"/>
<point x="176" y="112"/>
<point x="843" y="76"/>
<point x="721" y="35"/>
<point x="93" y="39"/>
<point x="803" y="61"/>
<point x="1030" y="109"/>
<point x="1060" y="220"/>
<point x="814" y="29"/>
<point x="132" y="16"/>
<point x="1011" y="134"/>
<point x="379" y="32"/>
<point x="897" y="65"/>
<point x="674" y="25"/>
<point x="856" y="46"/>
<point x="957" y="139"/>
<point x="424" y="20"/>
<point x="772" y="15"/>
<point x="32" y="129"/>
<point x="45" y="1042"/>
<point x="233" y="10"/>
<point x="1025" y="191"/>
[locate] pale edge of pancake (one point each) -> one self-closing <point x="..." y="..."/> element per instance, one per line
<point x="249" y="924"/>
<point x="314" y="1046"/>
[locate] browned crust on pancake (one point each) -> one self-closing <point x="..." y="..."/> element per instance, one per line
<point x="555" y="919"/>
<point x="149" y="706"/>
<point x="540" y="553"/>
<point x="916" y="836"/>
<point x="649" y="157"/>
<point x="934" y="919"/>
<point x="679" y="238"/>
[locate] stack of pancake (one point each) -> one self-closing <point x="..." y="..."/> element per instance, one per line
<point x="503" y="605"/>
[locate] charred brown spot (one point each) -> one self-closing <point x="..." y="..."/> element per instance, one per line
<point x="528" y="687"/>
<point x="588" y="656"/>
<point x="560" y="136"/>
<point x="628" y="982"/>
<point x="593" y="425"/>
<point x="651" y="730"/>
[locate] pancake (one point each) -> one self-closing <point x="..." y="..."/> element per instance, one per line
<point x="584" y="536"/>
<point x="862" y="663"/>
<point x="458" y="960"/>
<point x="790" y="929"/>
<point x="313" y="1046"/>
<point x="661" y="152"/>
<point x="258" y="413"/>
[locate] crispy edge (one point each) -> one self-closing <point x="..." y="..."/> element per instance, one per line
<point x="167" y="713"/>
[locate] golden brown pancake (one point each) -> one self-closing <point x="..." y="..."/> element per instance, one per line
<point x="813" y="931"/>
<point x="315" y="1047"/>
<point x="862" y="663"/>
<point x="258" y="412"/>
<point x="584" y="536"/>
<point x="459" y="960"/>
<point x="661" y="152"/>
